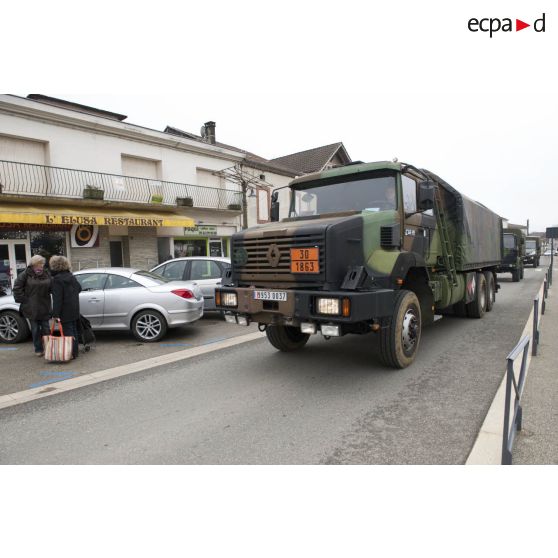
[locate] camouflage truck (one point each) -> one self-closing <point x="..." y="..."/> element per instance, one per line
<point x="377" y="247"/>
<point x="532" y="251"/>
<point x="513" y="241"/>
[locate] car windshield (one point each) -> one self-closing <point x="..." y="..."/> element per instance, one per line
<point x="365" y="194"/>
<point x="152" y="277"/>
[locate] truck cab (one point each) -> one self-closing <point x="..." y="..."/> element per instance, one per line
<point x="513" y="241"/>
<point x="532" y="251"/>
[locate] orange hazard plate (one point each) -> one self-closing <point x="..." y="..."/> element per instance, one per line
<point x="305" y="260"/>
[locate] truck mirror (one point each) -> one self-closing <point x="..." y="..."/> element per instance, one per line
<point x="274" y="211"/>
<point x="426" y="195"/>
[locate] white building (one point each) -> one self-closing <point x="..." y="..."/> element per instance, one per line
<point x="83" y="182"/>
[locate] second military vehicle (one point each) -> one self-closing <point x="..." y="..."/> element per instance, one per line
<point x="514" y="251"/>
<point x="532" y="251"/>
<point x="378" y="247"/>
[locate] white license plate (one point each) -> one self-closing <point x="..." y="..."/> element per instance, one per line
<point x="279" y="296"/>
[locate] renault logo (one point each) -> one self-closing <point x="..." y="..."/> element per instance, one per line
<point x="273" y="255"/>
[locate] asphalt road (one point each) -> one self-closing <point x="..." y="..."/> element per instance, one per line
<point x="20" y="369"/>
<point x="332" y="402"/>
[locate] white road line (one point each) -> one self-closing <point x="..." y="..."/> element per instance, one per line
<point x="123" y="370"/>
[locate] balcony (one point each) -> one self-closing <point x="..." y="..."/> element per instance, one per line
<point x="40" y="181"/>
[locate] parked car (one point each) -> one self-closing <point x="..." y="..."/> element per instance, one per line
<point x="205" y="271"/>
<point x="120" y="299"/>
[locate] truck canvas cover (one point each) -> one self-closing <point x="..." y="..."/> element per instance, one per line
<point x="471" y="228"/>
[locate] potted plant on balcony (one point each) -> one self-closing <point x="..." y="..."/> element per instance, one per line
<point x="156" y="198"/>
<point x="234" y="206"/>
<point x="93" y="193"/>
<point x="185" y="202"/>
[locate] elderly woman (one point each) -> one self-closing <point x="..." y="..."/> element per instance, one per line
<point x="32" y="291"/>
<point x="65" y="298"/>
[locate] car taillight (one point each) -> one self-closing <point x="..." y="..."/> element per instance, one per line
<point x="183" y="293"/>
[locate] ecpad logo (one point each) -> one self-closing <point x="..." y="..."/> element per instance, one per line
<point x="493" y="25"/>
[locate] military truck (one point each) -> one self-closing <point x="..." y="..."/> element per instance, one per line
<point x="532" y="251"/>
<point x="378" y="247"/>
<point x="514" y="251"/>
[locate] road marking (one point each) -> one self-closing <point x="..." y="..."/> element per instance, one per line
<point x="8" y="348"/>
<point x="175" y="344"/>
<point x="123" y="370"/>
<point x="54" y="377"/>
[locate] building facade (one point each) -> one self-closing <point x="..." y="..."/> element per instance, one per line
<point x="83" y="183"/>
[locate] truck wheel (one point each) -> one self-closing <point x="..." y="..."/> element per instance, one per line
<point x="477" y="307"/>
<point x="400" y="334"/>
<point x="286" y="338"/>
<point x="515" y="275"/>
<point x="522" y="273"/>
<point x="490" y="290"/>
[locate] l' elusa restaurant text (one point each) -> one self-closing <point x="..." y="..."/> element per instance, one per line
<point x="89" y="237"/>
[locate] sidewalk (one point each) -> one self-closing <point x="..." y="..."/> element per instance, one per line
<point x="537" y="443"/>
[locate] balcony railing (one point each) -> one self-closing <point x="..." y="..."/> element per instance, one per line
<point x="25" y="179"/>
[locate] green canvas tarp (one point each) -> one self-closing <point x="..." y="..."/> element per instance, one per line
<point x="475" y="231"/>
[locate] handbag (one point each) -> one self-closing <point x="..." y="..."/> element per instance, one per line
<point x="57" y="348"/>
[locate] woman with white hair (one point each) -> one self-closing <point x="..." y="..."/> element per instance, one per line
<point x="65" y="298"/>
<point x="32" y="291"/>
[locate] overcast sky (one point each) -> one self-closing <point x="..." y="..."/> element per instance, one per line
<point x="403" y="79"/>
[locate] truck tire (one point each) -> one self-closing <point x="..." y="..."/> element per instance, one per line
<point x="477" y="307"/>
<point x="521" y="273"/>
<point x="515" y="275"/>
<point x="400" y="334"/>
<point x="490" y="290"/>
<point x="286" y="338"/>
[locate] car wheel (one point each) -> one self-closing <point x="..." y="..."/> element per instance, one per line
<point x="13" y="327"/>
<point x="149" y="326"/>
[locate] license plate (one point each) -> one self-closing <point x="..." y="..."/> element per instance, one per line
<point x="278" y="296"/>
<point x="305" y="260"/>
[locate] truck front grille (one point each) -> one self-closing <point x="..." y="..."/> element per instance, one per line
<point x="269" y="259"/>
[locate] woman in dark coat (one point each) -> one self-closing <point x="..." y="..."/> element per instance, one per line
<point x="65" y="298"/>
<point x="32" y="291"/>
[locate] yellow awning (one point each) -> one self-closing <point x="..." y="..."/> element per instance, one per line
<point x="52" y="215"/>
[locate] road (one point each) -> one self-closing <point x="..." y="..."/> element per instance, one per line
<point x="332" y="402"/>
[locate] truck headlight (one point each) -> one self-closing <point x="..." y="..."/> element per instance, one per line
<point x="329" y="306"/>
<point x="229" y="299"/>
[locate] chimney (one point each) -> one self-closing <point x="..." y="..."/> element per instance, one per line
<point x="209" y="128"/>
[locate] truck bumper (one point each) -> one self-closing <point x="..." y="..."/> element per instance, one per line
<point x="301" y="306"/>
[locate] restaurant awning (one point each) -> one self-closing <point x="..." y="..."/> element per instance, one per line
<point x="52" y="215"/>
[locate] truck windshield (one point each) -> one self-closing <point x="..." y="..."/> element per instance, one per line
<point x="509" y="241"/>
<point x="531" y="245"/>
<point x="366" y="194"/>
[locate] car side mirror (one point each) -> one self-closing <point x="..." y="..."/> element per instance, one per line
<point x="274" y="210"/>
<point x="426" y="195"/>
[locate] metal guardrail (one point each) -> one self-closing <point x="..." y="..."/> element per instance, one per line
<point x="39" y="180"/>
<point x="510" y="429"/>
<point x="509" y="433"/>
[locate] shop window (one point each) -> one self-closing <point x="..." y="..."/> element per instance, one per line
<point x="188" y="248"/>
<point x="92" y="281"/>
<point x="119" y="282"/>
<point x="48" y="243"/>
<point x="204" y="269"/>
<point x="173" y="270"/>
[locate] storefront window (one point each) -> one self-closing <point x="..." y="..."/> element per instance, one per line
<point x="187" y="248"/>
<point x="48" y="243"/>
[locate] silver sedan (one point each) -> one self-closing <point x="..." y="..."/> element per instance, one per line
<point x="121" y="299"/>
